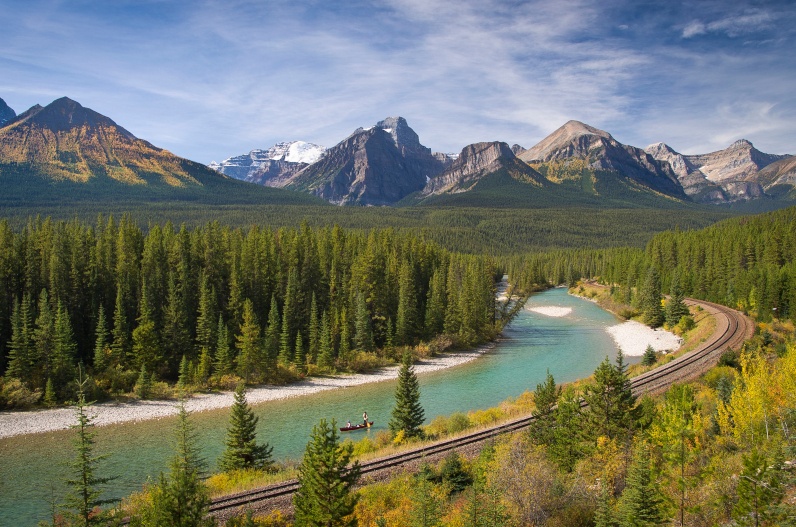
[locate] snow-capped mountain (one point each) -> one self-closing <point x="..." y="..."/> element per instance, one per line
<point x="290" y="157"/>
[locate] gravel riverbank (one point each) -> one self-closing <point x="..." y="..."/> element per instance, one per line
<point x="39" y="421"/>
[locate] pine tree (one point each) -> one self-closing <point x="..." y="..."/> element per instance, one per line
<point x="325" y="496"/>
<point x="121" y="332"/>
<point x="21" y="347"/>
<point x="143" y="387"/>
<point x="223" y="363"/>
<point x="325" y="349"/>
<point x="567" y="438"/>
<point x="64" y="348"/>
<point x="101" y="349"/>
<point x="203" y="367"/>
<point x="407" y="415"/>
<point x="314" y="335"/>
<point x="675" y="307"/>
<point x="185" y="377"/>
<point x="650" y="299"/>
<point x="427" y="504"/>
<point x="545" y="398"/>
<point x="649" y="357"/>
<point x="406" y="317"/>
<point x="758" y="486"/>
<point x="272" y="334"/>
<point x="146" y="348"/>
<point x="206" y="316"/>
<point x="242" y="450"/>
<point x="610" y="400"/>
<point x="180" y="499"/>
<point x="640" y="504"/>
<point x="285" y="345"/>
<point x="248" y="343"/>
<point x="85" y="496"/>
<point x="344" y="355"/>
<point x="300" y="359"/>
<point x="44" y="338"/>
<point x="363" y="333"/>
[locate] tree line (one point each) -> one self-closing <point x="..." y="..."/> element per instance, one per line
<point x="195" y="305"/>
<point x="745" y="263"/>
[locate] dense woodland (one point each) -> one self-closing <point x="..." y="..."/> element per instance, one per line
<point x="195" y="305"/>
<point x="745" y="263"/>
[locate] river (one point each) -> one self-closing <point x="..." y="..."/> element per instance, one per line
<point x="570" y="345"/>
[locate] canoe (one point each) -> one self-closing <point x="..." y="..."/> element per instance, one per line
<point x="356" y="427"/>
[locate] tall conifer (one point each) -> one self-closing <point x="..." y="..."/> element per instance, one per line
<point x="325" y="497"/>
<point x="407" y="414"/>
<point x="242" y="450"/>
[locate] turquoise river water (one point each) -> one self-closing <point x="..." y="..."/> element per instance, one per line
<point x="570" y="346"/>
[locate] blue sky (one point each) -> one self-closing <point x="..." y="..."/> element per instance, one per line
<point x="211" y="79"/>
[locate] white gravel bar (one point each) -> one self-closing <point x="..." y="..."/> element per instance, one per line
<point x="633" y="338"/>
<point x="39" y="421"/>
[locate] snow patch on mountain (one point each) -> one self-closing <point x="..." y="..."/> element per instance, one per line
<point x="293" y="152"/>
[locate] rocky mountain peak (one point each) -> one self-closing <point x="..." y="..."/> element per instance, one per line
<point x="64" y="114"/>
<point x="741" y="144"/>
<point x="6" y="113"/>
<point x="572" y="129"/>
<point x="573" y="139"/>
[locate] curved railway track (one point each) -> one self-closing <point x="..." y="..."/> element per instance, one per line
<point x="732" y="329"/>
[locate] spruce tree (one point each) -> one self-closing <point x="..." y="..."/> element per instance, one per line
<point x="649" y="357"/>
<point x="21" y="355"/>
<point x="545" y="398"/>
<point x="300" y="358"/>
<point x="223" y="362"/>
<point x="640" y="504"/>
<point x="272" y="335"/>
<point x="610" y="400"/>
<point x="675" y="307"/>
<point x="248" y="343"/>
<point x="650" y="299"/>
<point x="325" y="346"/>
<point x="314" y="333"/>
<point x="325" y="496"/>
<point x="180" y="499"/>
<point x="407" y="415"/>
<point x="84" y="496"/>
<point x="363" y="333"/>
<point x="101" y="342"/>
<point x="242" y="450"/>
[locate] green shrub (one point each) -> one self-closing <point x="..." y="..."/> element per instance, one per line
<point x="15" y="395"/>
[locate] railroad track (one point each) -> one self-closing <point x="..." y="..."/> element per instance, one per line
<point x="732" y="329"/>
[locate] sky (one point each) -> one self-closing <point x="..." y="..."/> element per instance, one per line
<point x="211" y="79"/>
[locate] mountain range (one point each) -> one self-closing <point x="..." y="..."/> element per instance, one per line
<point x="385" y="164"/>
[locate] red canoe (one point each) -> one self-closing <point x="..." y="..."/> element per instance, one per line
<point x="356" y="427"/>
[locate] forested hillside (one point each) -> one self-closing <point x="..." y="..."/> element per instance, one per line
<point x="746" y="263"/>
<point x="199" y="304"/>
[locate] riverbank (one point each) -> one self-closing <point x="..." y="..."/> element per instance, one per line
<point x="40" y="421"/>
<point x="630" y="336"/>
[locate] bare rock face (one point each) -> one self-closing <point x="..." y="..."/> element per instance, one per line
<point x="724" y="176"/>
<point x="737" y="163"/>
<point x="694" y="183"/>
<point x="602" y="152"/>
<point x="517" y="149"/>
<point x="379" y="165"/>
<point x="779" y="178"/>
<point x="6" y="113"/>
<point x="478" y="161"/>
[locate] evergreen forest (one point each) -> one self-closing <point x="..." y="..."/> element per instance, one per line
<point x="211" y="305"/>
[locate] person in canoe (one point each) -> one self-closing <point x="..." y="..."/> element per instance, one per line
<point x="348" y="424"/>
<point x="365" y="418"/>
